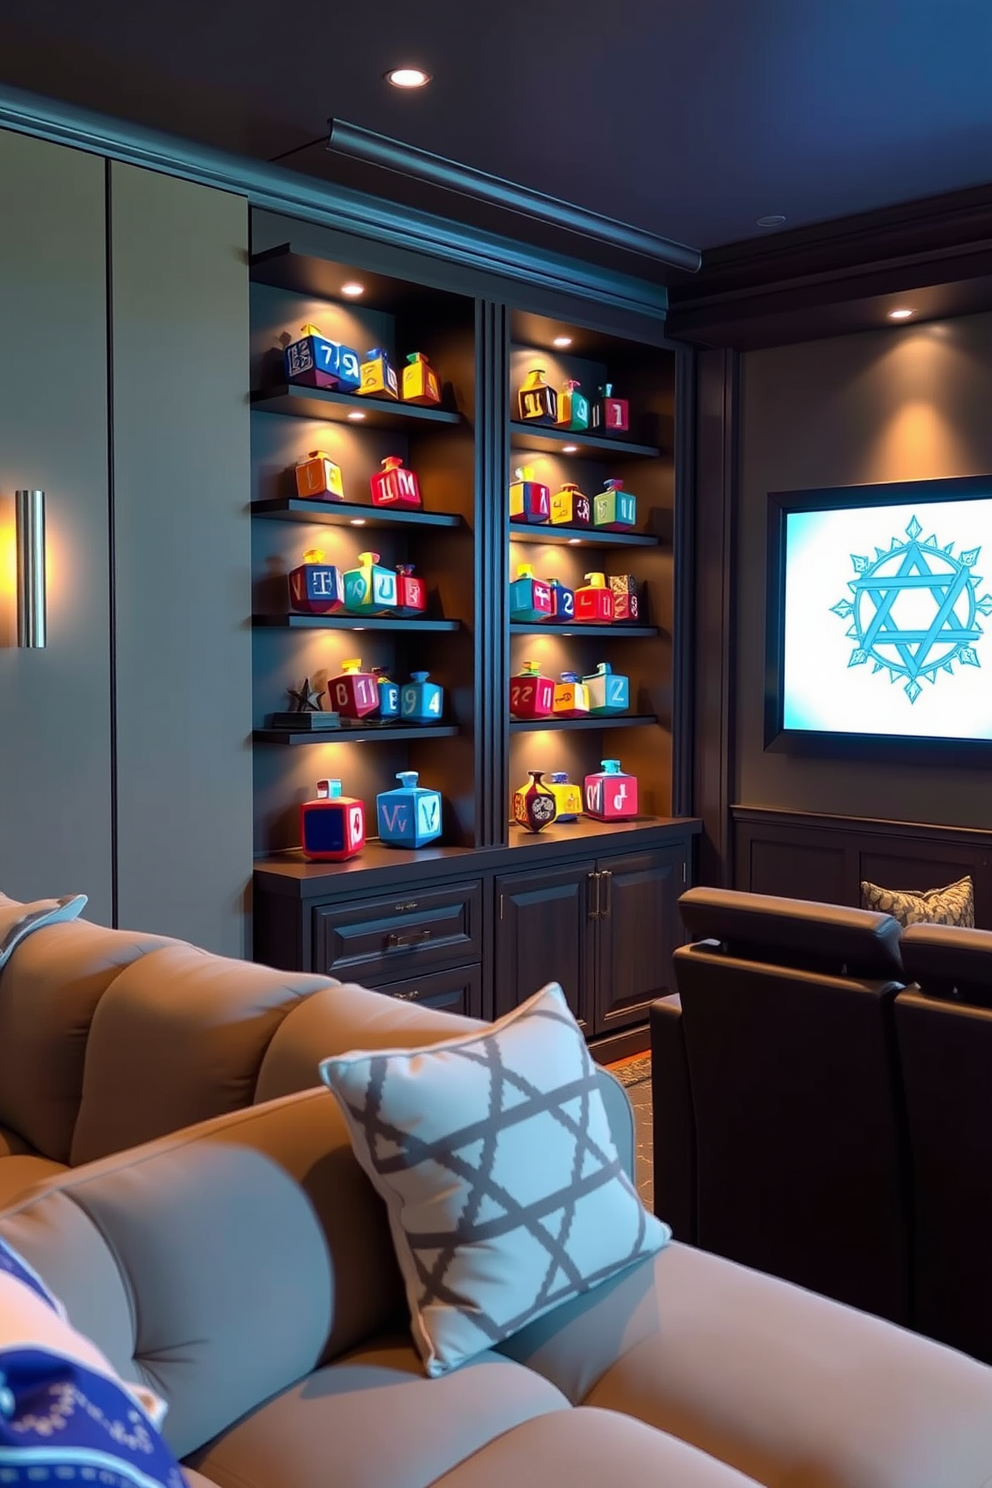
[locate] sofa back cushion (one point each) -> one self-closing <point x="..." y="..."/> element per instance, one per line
<point x="49" y="991"/>
<point x="178" y="1038"/>
<point x="219" y="1265"/>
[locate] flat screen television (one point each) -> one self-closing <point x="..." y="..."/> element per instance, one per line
<point x="878" y="619"/>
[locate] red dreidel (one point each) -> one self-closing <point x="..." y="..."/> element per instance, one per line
<point x="531" y="695"/>
<point x="332" y="827"/>
<point x="611" y="795"/>
<point x="355" y="693"/>
<point x="594" y="601"/>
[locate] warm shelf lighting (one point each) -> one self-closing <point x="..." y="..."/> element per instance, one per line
<point x="901" y="314"/>
<point x="407" y="77"/>
<point x="569" y="449"/>
<point x="353" y="290"/>
<point x="573" y="541"/>
<point x="356" y="417"/>
<point x="561" y="342"/>
<point x="358" y="521"/>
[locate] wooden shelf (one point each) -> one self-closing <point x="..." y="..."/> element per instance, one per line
<point x="324" y="403"/>
<point x="549" y="441"/>
<point x="596" y="631"/>
<point x="348" y="514"/>
<point x="354" y="735"/>
<point x="352" y="622"/>
<point x="586" y="536"/>
<point x="600" y="721"/>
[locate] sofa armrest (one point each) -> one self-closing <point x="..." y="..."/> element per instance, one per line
<point x="674" y="1124"/>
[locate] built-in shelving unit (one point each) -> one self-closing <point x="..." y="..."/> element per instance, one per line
<point x="580" y="536"/>
<point x="614" y="721"/>
<point x="379" y="734"/>
<point x="352" y="514"/>
<point x="389" y="623"/>
<point x="545" y="440"/>
<point x="323" y="403"/>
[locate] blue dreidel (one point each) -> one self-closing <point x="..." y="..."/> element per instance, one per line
<point x="409" y="816"/>
<point x="421" y="701"/>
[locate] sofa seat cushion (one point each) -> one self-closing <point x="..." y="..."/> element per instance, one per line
<point x="21" y="1172"/>
<point x="586" y="1449"/>
<point x="372" y="1420"/>
<point x="790" y="1388"/>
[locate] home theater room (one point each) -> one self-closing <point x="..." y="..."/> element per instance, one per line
<point x="496" y="744"/>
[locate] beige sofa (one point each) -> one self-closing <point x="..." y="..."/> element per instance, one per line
<point x="243" y="1268"/>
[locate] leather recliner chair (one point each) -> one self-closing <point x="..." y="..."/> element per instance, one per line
<point x="792" y="1154"/>
<point x="944" y="1028"/>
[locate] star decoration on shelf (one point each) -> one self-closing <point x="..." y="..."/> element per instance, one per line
<point x="305" y="699"/>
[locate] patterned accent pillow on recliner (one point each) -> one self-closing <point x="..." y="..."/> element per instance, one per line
<point x="952" y="905"/>
<point x="505" y="1191"/>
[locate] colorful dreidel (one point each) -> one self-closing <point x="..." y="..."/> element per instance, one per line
<point x="568" y="796"/>
<point x="573" y="407"/>
<point x="409" y="816"/>
<point x="610" y="415"/>
<point x="313" y="360"/>
<point x="534" y="804"/>
<point x="349" y="370"/>
<point x="369" y="589"/>
<point x="593" y="601"/>
<point x="537" y="401"/>
<point x="611" y="795"/>
<point x="389" y="694"/>
<point x="530" y="501"/>
<point x="609" y="692"/>
<point x="411" y="591"/>
<point x="315" y="587"/>
<point x="531" y="695"/>
<point x="332" y="827"/>
<point x="421" y="383"/>
<point x="396" y="486"/>
<point x="318" y="478"/>
<point x="571" y="697"/>
<point x="530" y="598"/>
<point x="378" y="376"/>
<point x="421" y="701"/>
<point x="626" y="605"/>
<point x="614" y="509"/>
<point x="562" y="602"/>
<point x="569" y="508"/>
<point x="355" y="694"/>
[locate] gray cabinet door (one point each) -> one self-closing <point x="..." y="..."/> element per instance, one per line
<point x="55" y="709"/>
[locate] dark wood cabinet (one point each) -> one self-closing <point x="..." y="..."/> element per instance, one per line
<point x="638" y="930"/>
<point x="457" y="991"/>
<point x="545" y="933"/>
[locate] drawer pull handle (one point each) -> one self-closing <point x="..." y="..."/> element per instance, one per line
<point x="407" y="996"/>
<point x="397" y="942"/>
<point x="410" y="904"/>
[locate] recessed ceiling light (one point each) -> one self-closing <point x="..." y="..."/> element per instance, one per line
<point x="356" y="416"/>
<point x="900" y="314"/>
<point x="407" y="77"/>
<point x="562" y="341"/>
<point x="353" y="290"/>
<point x="774" y="219"/>
<point x="569" y="449"/>
<point x="358" y="521"/>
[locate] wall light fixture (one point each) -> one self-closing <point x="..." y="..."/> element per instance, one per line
<point x="29" y="511"/>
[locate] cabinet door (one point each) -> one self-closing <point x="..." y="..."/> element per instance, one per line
<point x="458" y="991"/>
<point x="639" y="929"/>
<point x="544" y="933"/>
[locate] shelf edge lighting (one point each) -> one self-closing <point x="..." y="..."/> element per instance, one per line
<point x="31" y="597"/>
<point x="437" y="170"/>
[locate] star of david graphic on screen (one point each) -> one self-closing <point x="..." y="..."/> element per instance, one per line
<point x="914" y="609"/>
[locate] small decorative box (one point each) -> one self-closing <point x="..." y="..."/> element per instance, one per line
<point x="610" y="415"/>
<point x="332" y="827"/>
<point x="571" y="698"/>
<point x="537" y="401"/>
<point x="316" y="587"/>
<point x="421" y="701"/>
<point x="317" y="477"/>
<point x="531" y="695"/>
<point x="421" y="383"/>
<point x="370" y="589"/>
<point x="614" y="510"/>
<point x="569" y="508"/>
<point x="411" y="591"/>
<point x="626" y="605"/>
<point x="609" y="692"/>
<point x="409" y="816"/>
<point x="395" y="486"/>
<point x="612" y="795"/>
<point x="378" y="379"/>
<point x="355" y="694"/>
<point x="573" y="407"/>
<point x="530" y="501"/>
<point x="593" y="601"/>
<point x="530" y="598"/>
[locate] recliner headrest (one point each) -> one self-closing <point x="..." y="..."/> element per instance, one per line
<point x="795" y="932"/>
<point x="950" y="962"/>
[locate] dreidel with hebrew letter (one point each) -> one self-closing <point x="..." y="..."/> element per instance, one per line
<point x="409" y="816"/>
<point x="315" y="587"/>
<point x="610" y="795"/>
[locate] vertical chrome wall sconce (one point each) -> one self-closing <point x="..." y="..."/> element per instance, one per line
<point x="30" y="518"/>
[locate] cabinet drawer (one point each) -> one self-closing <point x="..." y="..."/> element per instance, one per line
<point x="458" y="991"/>
<point x="381" y="938"/>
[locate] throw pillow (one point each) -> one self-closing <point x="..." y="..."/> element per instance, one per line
<point x="65" y="1415"/>
<point x="18" y="920"/>
<point x="505" y="1192"/>
<point x="952" y="905"/>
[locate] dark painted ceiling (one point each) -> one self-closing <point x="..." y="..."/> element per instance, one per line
<point x="691" y="118"/>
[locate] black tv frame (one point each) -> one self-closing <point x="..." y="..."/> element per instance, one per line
<point x="919" y="748"/>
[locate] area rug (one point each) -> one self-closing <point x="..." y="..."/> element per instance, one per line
<point x="632" y="1071"/>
